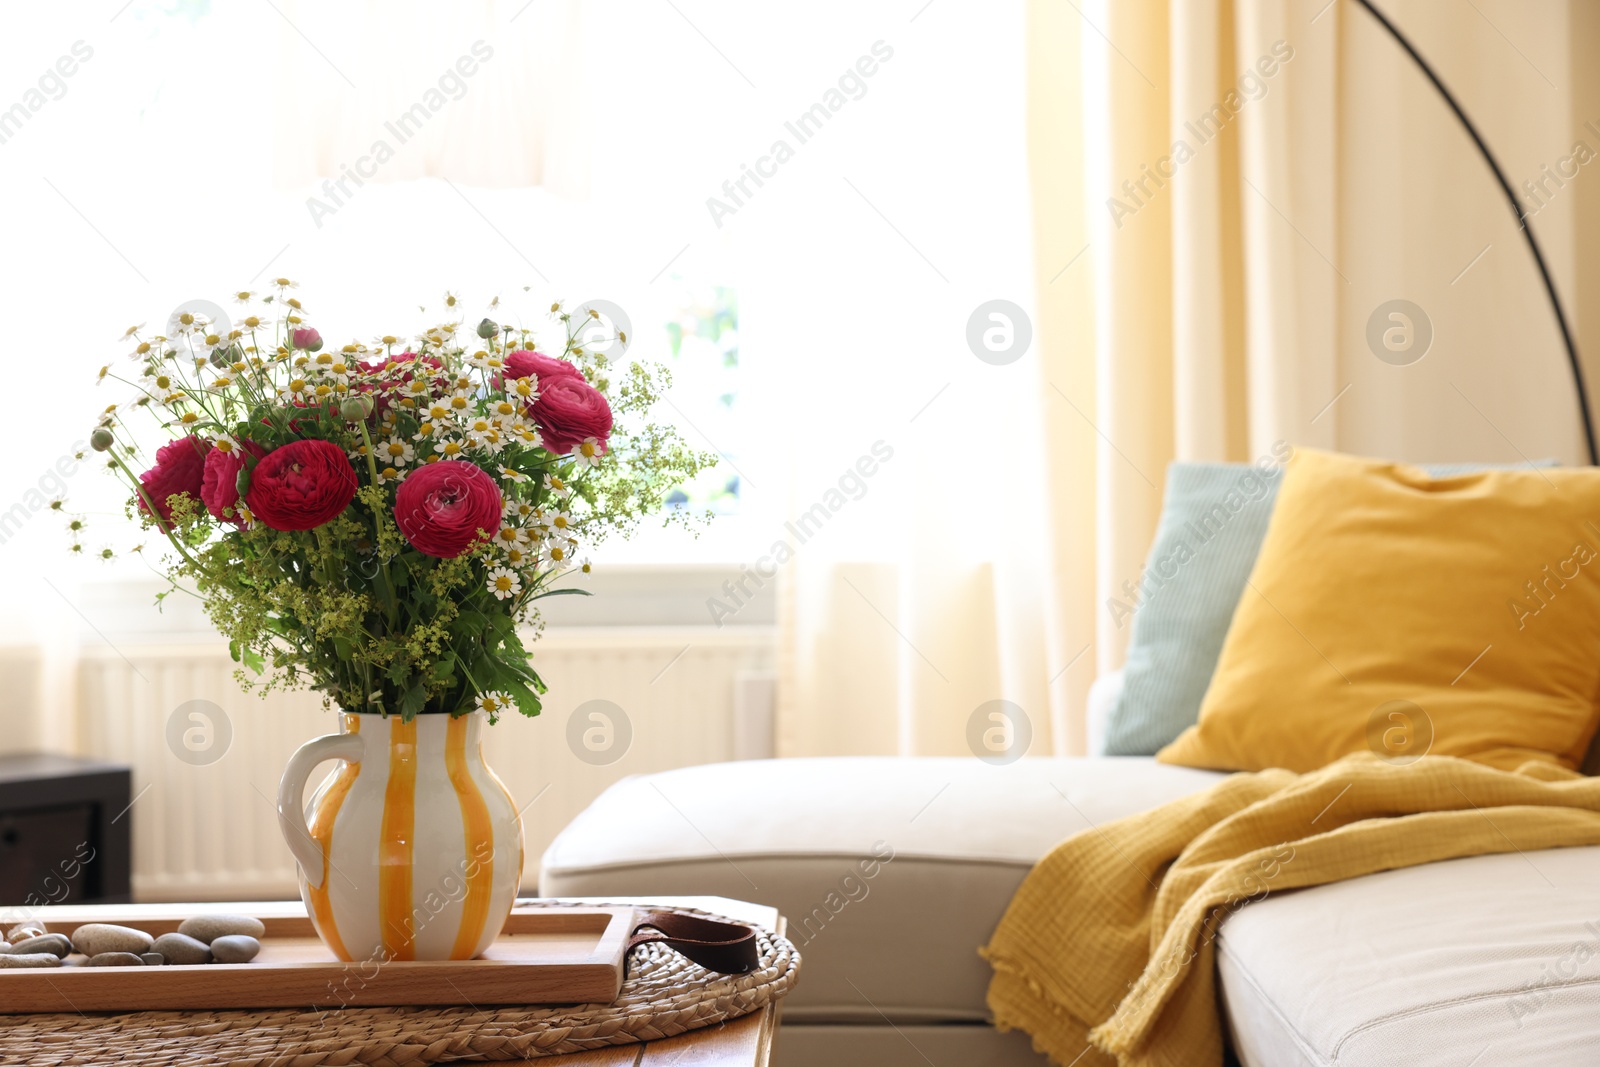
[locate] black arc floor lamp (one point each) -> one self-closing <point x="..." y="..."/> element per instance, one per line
<point x="1522" y="223"/>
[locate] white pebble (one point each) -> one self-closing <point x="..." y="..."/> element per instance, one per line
<point x="208" y="928"/>
<point x="31" y="959"/>
<point x="94" y="939"/>
<point x="115" y="959"/>
<point x="182" y="950"/>
<point x="235" y="948"/>
<point x="56" y="943"/>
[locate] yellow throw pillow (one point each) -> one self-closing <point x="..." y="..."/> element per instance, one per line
<point x="1406" y="614"/>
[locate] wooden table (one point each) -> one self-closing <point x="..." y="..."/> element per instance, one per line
<point x="745" y="1042"/>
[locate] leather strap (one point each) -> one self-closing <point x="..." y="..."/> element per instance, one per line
<point x="727" y="948"/>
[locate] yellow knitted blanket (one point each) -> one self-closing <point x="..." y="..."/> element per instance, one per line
<point x="1105" y="954"/>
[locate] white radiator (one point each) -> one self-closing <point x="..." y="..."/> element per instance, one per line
<point x="210" y="831"/>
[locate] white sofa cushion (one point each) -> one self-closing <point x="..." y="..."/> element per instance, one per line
<point x="892" y="938"/>
<point x="1485" y="960"/>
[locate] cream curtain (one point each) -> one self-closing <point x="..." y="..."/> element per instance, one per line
<point x="1224" y="193"/>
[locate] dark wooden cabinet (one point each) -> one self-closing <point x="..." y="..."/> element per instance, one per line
<point x="65" y="831"/>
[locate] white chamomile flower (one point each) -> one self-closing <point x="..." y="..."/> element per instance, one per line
<point x="220" y="384"/>
<point x="504" y="583"/>
<point x="460" y="402"/>
<point x="296" y="389"/>
<point x="513" y="475"/>
<point x="558" y="553"/>
<point x="516" y="555"/>
<point x="186" y="323"/>
<point x="208" y="341"/>
<point x="481" y="360"/>
<point x="585" y="567"/>
<point x="159" y="384"/>
<point x="435" y="411"/>
<point x="495" y="703"/>
<point x="554" y="484"/>
<point x="558" y="521"/>
<point x="396" y="452"/>
<point x="482" y="434"/>
<point x="524" y="389"/>
<point x="518" y="510"/>
<point x="511" y="535"/>
<point x="448" y="448"/>
<point x="390" y="474"/>
<point x="225" y="444"/>
<point x="589" y="451"/>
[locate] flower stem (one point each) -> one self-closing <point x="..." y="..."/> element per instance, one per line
<point x="377" y="535"/>
<point x="162" y="524"/>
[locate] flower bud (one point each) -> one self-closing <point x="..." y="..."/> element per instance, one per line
<point x="101" y="439"/>
<point x="308" y="339"/>
<point x="356" y="408"/>
<point x="488" y="328"/>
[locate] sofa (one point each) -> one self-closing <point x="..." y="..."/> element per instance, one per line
<point x="893" y="872"/>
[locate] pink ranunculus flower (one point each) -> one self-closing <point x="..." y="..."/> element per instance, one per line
<point x="306" y="338"/>
<point x="219" y="489"/>
<point x="301" y="485"/>
<point x="442" y="507"/>
<point x="180" y="468"/>
<point x="569" y="411"/>
<point x="522" y="363"/>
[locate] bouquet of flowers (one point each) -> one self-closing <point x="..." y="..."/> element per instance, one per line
<point x="374" y="521"/>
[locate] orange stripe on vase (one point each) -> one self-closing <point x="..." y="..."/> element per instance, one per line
<point x="397" y="844"/>
<point x="322" y="820"/>
<point x="478" y="836"/>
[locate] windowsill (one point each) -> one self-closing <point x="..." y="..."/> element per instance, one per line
<point x="623" y="595"/>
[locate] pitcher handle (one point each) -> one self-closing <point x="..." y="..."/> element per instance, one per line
<point x="291" y="798"/>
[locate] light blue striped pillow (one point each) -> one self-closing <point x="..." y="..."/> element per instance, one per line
<point x="1212" y="523"/>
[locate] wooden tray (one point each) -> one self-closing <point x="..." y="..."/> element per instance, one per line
<point x="545" y="955"/>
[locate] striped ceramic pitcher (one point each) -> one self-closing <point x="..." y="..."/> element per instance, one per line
<point x="412" y="848"/>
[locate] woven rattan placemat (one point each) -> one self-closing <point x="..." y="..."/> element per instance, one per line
<point x="664" y="995"/>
